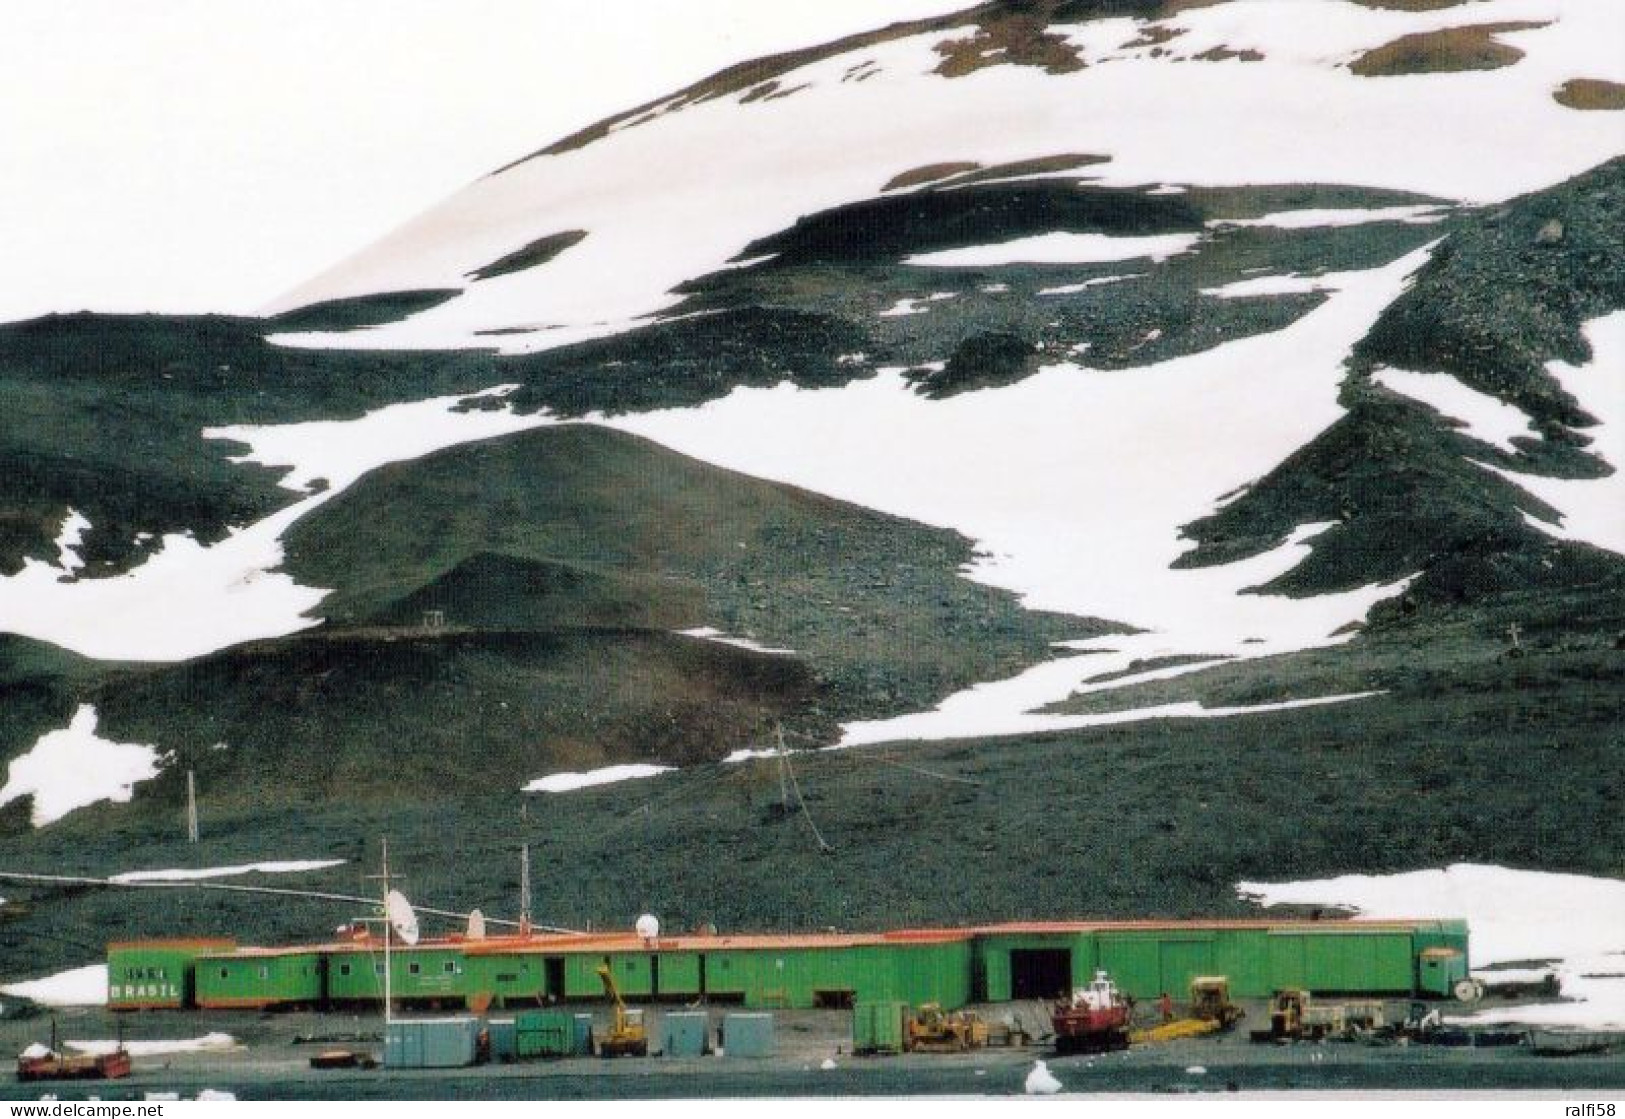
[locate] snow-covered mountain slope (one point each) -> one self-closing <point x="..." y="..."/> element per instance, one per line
<point x="598" y="232"/>
<point x="1167" y="313"/>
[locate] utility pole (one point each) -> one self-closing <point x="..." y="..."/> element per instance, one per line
<point x="191" y="807"/>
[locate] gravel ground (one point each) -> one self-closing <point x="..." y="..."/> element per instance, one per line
<point x="270" y="1065"/>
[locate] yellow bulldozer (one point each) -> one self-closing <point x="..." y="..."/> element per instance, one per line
<point x="1210" y="1012"/>
<point x="930" y="1029"/>
<point x="627" y="1037"/>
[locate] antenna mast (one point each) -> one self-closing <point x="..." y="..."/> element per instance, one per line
<point x="191" y="807"/>
<point x="524" y="889"/>
<point x="384" y="880"/>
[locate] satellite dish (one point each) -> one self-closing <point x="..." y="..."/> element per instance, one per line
<point x="648" y="926"/>
<point x="402" y="917"/>
<point x="476" y="925"/>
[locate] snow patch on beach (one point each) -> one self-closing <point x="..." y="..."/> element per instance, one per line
<point x="609" y="775"/>
<point x="208" y="1043"/>
<point x="73" y="767"/>
<point x="1512" y="915"/>
<point x="80" y="986"/>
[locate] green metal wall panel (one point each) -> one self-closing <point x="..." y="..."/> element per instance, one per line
<point x="679" y="973"/>
<point x="508" y="979"/>
<point x="155" y="974"/>
<point x="1134" y="962"/>
<point x="1289" y="966"/>
<point x="260" y="980"/>
<point x="726" y="973"/>
<point x="1181" y="961"/>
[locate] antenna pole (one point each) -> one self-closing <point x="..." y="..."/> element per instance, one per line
<point x="191" y="807"/>
<point x="384" y="880"/>
<point x="524" y="890"/>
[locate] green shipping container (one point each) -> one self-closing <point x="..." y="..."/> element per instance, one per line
<point x="504" y="1039"/>
<point x="683" y="1034"/>
<point x="432" y="1043"/>
<point x="545" y="1033"/>
<point x="748" y="1035"/>
<point x="877" y="1027"/>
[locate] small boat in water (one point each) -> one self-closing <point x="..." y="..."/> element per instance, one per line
<point x="46" y="1062"/>
<point x="1094" y="1019"/>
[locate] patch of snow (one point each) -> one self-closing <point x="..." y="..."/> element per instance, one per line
<point x="282" y="867"/>
<point x="1060" y="248"/>
<point x="1593" y="509"/>
<point x="1040" y="1081"/>
<point x="188" y="599"/>
<point x="80" y="986"/>
<point x="609" y="775"/>
<point x="208" y="1043"/>
<point x="995" y="289"/>
<point x="1126" y="455"/>
<point x="828" y="1064"/>
<point x="72" y="768"/>
<point x="68" y="541"/>
<point x="1320" y="219"/>
<point x="706" y="633"/>
<point x="1098" y="281"/>
<point x="216" y="1095"/>
<point x="1481" y="416"/>
<point x="1512" y="915"/>
<point x="1268" y="285"/>
<point x="1196" y="1070"/>
<point x="914" y="306"/>
<point x="34" y="1051"/>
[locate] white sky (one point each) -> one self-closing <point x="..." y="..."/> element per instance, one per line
<point x="207" y="155"/>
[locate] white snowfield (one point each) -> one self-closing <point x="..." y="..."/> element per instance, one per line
<point x="1060" y="248"/>
<point x="1076" y="489"/>
<point x="286" y="866"/>
<point x="1593" y="509"/>
<point x="189" y="599"/>
<point x="730" y="174"/>
<point x="609" y="775"/>
<point x="80" y="986"/>
<point x="71" y="768"/>
<point x="1569" y="924"/>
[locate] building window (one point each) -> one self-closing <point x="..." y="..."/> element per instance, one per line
<point x="225" y="973"/>
<point x="450" y="967"/>
<point x="378" y="969"/>
<point x="415" y="969"/>
<point x="344" y="969"/>
<point x="265" y="972"/>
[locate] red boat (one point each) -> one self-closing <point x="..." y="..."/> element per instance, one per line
<point x="55" y="1066"/>
<point x="1094" y="1019"/>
